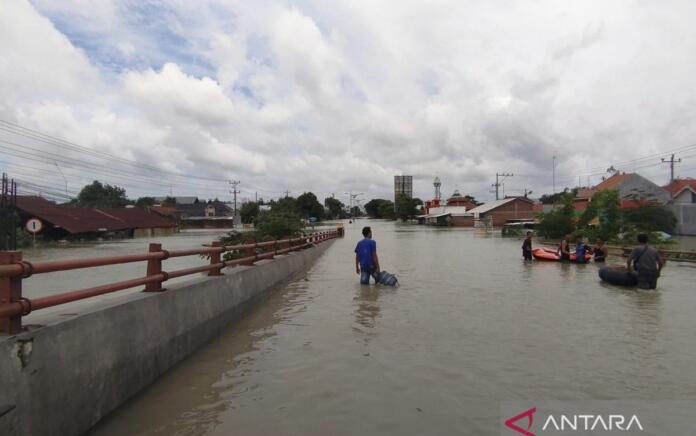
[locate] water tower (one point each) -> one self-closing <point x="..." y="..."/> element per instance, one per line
<point x="437" y="185"/>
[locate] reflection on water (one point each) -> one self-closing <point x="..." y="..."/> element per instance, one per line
<point x="471" y="325"/>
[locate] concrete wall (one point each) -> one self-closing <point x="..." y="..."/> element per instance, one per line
<point x="61" y="378"/>
<point x="686" y="218"/>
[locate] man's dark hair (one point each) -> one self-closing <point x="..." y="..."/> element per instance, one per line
<point x="643" y="238"/>
<point x="529" y="233"/>
<point x="366" y="231"/>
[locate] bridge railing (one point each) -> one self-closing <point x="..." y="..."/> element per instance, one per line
<point x="13" y="270"/>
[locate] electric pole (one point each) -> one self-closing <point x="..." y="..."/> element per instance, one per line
<point x="498" y="181"/>
<point x="553" y="163"/>
<point x="671" y="163"/>
<point x="287" y="193"/>
<point x="234" y="192"/>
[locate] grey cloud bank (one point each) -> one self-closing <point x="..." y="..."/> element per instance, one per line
<point x="334" y="97"/>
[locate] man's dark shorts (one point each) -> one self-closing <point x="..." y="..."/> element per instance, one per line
<point x="365" y="274"/>
<point x="647" y="279"/>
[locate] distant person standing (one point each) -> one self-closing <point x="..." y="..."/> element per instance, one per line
<point x="564" y="249"/>
<point x="599" y="250"/>
<point x="647" y="263"/>
<point x="581" y="249"/>
<point x="527" y="247"/>
<point x="366" y="260"/>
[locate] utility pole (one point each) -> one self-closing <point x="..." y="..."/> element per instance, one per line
<point x="671" y="163"/>
<point x="287" y="193"/>
<point x="256" y="197"/>
<point x="554" y="173"/>
<point x="62" y="175"/>
<point x="234" y="192"/>
<point x="498" y="181"/>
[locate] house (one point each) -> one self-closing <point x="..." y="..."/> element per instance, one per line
<point x="62" y="221"/>
<point x="683" y="205"/>
<point x="632" y="187"/>
<point x="498" y="212"/>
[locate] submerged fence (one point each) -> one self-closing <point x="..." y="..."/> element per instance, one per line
<point x="13" y="269"/>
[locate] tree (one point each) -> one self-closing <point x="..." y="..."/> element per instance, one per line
<point x="386" y="210"/>
<point x="309" y="206"/>
<point x="605" y="207"/>
<point x="376" y="208"/>
<point x="557" y="197"/>
<point x="278" y="224"/>
<point x="650" y="216"/>
<point x="560" y="221"/>
<point x="249" y="212"/>
<point x="99" y="195"/>
<point x="406" y="207"/>
<point x="356" y="212"/>
<point x="337" y="210"/>
<point x="145" y="202"/>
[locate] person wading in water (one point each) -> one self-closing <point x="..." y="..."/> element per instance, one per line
<point x="527" y="247"/>
<point x="564" y="249"/>
<point x="366" y="260"/>
<point x="599" y="250"/>
<point x="647" y="263"/>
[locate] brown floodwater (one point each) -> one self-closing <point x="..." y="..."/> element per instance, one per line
<point x="471" y="325"/>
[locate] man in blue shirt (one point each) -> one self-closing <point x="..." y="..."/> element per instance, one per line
<point x="366" y="260"/>
<point x="580" y="250"/>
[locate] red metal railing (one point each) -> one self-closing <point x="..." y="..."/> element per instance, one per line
<point x="13" y="269"/>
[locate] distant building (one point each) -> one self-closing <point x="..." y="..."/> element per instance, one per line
<point x="497" y="213"/>
<point x="683" y="205"/>
<point x="403" y="185"/>
<point x="631" y="187"/>
<point x="62" y="221"/>
<point x="458" y="200"/>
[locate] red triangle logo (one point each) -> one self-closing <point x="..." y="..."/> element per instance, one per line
<point x="529" y="414"/>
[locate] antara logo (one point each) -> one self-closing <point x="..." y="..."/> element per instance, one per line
<point x="584" y="423"/>
<point x="529" y="414"/>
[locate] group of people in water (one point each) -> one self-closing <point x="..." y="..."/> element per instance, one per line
<point x="598" y="250"/>
<point x="644" y="263"/>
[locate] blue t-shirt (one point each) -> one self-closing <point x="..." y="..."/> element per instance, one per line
<point x="364" y="250"/>
<point x="580" y="251"/>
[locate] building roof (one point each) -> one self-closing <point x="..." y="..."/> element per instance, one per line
<point x="496" y="204"/>
<point x="677" y="186"/>
<point x="85" y="220"/>
<point x="164" y="210"/>
<point x="613" y="181"/>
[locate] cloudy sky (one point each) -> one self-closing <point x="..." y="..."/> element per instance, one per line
<point x="181" y="96"/>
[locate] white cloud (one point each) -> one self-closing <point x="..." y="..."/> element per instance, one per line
<point x="303" y="95"/>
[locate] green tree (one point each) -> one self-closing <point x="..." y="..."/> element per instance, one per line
<point x="557" y="197"/>
<point x="337" y="210"/>
<point x="605" y="207"/>
<point x="406" y="207"/>
<point x="145" y="202"/>
<point x="375" y="207"/>
<point x="386" y="210"/>
<point x="309" y="206"/>
<point x="101" y="195"/>
<point x="277" y="224"/>
<point x="249" y="212"/>
<point x="356" y="212"/>
<point x="560" y="221"/>
<point x="650" y="216"/>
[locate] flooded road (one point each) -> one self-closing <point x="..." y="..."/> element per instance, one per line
<point x="470" y="325"/>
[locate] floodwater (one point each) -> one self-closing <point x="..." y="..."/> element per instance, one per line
<point x="40" y="285"/>
<point x="471" y="325"/>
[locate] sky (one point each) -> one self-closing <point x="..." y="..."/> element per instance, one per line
<point x="181" y="97"/>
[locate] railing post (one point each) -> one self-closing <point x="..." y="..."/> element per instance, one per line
<point x="215" y="258"/>
<point x="10" y="292"/>
<point x="154" y="266"/>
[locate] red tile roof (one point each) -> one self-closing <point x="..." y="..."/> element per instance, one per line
<point x="612" y="181"/>
<point x="679" y="185"/>
<point x="83" y="220"/>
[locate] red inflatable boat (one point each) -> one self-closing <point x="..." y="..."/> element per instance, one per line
<point x="550" y="255"/>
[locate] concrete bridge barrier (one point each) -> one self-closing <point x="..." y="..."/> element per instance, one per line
<point x="63" y="377"/>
